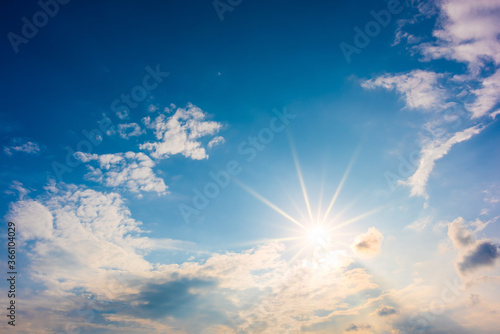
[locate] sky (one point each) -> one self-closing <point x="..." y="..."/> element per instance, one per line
<point x="237" y="166"/>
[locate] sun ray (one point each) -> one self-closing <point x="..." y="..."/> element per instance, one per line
<point x="344" y="209"/>
<point x="299" y="174"/>
<point x="340" y="242"/>
<point x="321" y="191"/>
<point x="268" y="203"/>
<point x="265" y="241"/>
<point x="355" y="219"/>
<point x="341" y="184"/>
<point x="301" y="213"/>
<point x="297" y="255"/>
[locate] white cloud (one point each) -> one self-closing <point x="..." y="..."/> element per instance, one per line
<point x="468" y="32"/>
<point x="130" y="130"/>
<point x="22" y="146"/>
<point x="19" y="188"/>
<point x="216" y="141"/>
<point x="180" y="133"/>
<point x="131" y="171"/>
<point x="460" y="234"/>
<point x="474" y="253"/>
<point x="25" y="211"/>
<point x="82" y="236"/>
<point x="421" y="89"/>
<point x="492" y="195"/>
<point x="420" y="224"/>
<point x="431" y="152"/>
<point x="84" y="241"/>
<point x="487" y="97"/>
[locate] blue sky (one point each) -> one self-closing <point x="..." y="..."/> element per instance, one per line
<point x="252" y="167"/>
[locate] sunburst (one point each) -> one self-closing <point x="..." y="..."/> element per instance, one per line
<point x="313" y="234"/>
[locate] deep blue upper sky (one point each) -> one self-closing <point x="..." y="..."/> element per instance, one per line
<point x="393" y="102"/>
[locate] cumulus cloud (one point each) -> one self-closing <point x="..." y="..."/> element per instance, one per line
<point x="180" y="133"/>
<point x="368" y="244"/>
<point x="82" y="236"/>
<point x="483" y="254"/>
<point x="467" y="31"/>
<point x="420" y="89"/>
<point x="130" y="171"/>
<point x="460" y="234"/>
<point x="84" y="241"/>
<point x="40" y="228"/>
<point x="429" y="154"/>
<point x="20" y="145"/>
<point x="473" y="253"/>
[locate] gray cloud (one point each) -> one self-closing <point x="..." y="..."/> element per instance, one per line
<point x="368" y="243"/>
<point x="355" y="328"/>
<point x="175" y="298"/>
<point x="386" y="310"/>
<point x="459" y="234"/>
<point x="483" y="254"/>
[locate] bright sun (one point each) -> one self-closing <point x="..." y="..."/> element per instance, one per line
<point x="317" y="235"/>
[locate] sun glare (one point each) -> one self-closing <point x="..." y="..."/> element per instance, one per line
<point x="317" y="235"/>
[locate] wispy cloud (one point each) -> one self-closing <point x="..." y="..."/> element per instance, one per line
<point x="465" y="32"/>
<point x="20" y="145"/>
<point x="130" y="130"/>
<point x="432" y="152"/>
<point x="420" y="224"/>
<point x="216" y="141"/>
